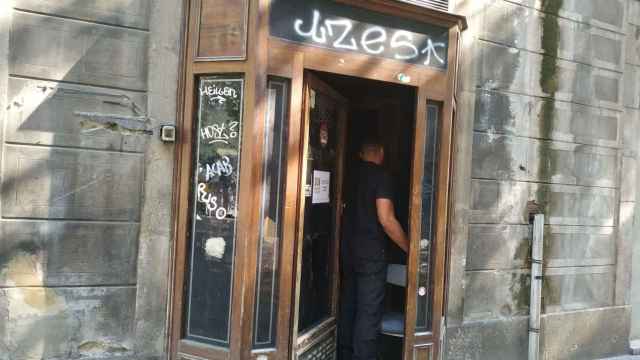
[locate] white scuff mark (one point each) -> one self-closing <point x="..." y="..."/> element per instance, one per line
<point x="214" y="247"/>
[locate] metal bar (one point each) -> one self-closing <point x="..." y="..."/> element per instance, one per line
<point x="537" y="247"/>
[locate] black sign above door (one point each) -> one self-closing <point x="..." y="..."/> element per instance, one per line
<point x="335" y="26"/>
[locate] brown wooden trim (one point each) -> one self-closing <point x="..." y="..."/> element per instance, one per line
<point x="300" y="216"/>
<point x="442" y="197"/>
<point x="182" y="186"/>
<point x="294" y="162"/>
<point x="250" y="194"/>
<point x="363" y="66"/>
<point x="342" y="133"/>
<point x="203" y="68"/>
<point x="415" y="211"/>
<point x="176" y="194"/>
<point x="411" y="11"/>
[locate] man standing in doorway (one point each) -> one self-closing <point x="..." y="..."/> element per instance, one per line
<point x="369" y="219"/>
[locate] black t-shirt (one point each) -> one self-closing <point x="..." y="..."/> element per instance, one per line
<point x="365" y="239"/>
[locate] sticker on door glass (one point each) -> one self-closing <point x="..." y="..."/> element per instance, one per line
<point x="321" y="186"/>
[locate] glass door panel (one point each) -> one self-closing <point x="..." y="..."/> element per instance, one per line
<point x="319" y="221"/>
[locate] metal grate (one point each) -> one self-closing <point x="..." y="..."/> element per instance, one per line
<point x="434" y="4"/>
<point x="325" y="349"/>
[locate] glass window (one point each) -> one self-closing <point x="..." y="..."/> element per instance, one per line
<point x="214" y="209"/>
<point x="425" y="285"/>
<point x="273" y="181"/>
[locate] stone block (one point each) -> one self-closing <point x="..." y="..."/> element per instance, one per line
<point x="629" y="179"/>
<point x="529" y="116"/>
<point x="50" y="113"/>
<point x="578" y="335"/>
<point x="603" y="49"/>
<point x="503" y="68"/>
<point x="498" y="247"/>
<point x="633" y="44"/>
<point x="506" y="202"/>
<point x="73" y="51"/>
<point x="631" y="134"/>
<point x="624" y="246"/>
<point x="503" y="157"/>
<point x="634" y="12"/>
<point x="609" y="14"/>
<point x="632" y="86"/>
<point x="527" y="73"/>
<point x="572" y="246"/>
<point x="510" y="24"/>
<point x="37" y="253"/>
<point x="589" y="334"/>
<point x="71" y="184"/>
<point x="496" y="294"/>
<point x="525" y="28"/>
<point x="604" y="14"/>
<point x="68" y="323"/>
<point x="500" y="294"/>
<point x="133" y="13"/>
<point x="578" y="288"/>
<point x="507" y="247"/>
<point x="504" y="339"/>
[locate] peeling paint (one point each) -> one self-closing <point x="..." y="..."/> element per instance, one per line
<point x="126" y="125"/>
<point x="93" y="348"/>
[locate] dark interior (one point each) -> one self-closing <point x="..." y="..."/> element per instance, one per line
<point x="387" y="110"/>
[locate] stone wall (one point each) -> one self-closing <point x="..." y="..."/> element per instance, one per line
<point x="85" y="205"/>
<point x="547" y="98"/>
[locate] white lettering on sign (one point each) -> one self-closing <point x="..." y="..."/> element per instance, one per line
<point x="346" y="30"/>
<point x="218" y="95"/>
<point x="374" y="40"/>
<point x="404" y="39"/>
<point x="220" y="133"/>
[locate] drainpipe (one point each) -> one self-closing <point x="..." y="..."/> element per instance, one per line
<point x="535" y="299"/>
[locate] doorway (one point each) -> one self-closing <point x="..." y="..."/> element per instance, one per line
<point x="339" y="112"/>
<point x="245" y="283"/>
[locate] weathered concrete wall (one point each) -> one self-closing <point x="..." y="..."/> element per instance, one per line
<point x="85" y="202"/>
<point x="632" y="149"/>
<point x="546" y="97"/>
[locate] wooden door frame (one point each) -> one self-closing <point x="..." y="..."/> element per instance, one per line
<point x="271" y="56"/>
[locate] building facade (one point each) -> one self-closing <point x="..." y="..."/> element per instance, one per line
<point x="135" y="246"/>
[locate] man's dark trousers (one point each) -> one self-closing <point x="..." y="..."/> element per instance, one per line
<point x="361" y="308"/>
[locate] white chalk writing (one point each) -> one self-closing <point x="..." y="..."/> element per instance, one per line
<point x="221" y="133"/>
<point x="218" y="95"/>
<point x="339" y="33"/>
<point x="211" y="203"/>
<point x="220" y="167"/>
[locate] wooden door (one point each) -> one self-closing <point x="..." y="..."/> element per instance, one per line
<point x="320" y="205"/>
<point x="425" y="276"/>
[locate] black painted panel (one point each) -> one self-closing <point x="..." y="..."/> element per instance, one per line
<point x="214" y="206"/>
<point x="335" y="26"/>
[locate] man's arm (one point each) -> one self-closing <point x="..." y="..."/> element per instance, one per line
<point x="391" y="226"/>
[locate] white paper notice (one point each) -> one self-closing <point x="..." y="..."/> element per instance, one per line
<point x="321" y="186"/>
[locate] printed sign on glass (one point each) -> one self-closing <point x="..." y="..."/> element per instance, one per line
<point x="214" y="204"/>
<point x="341" y="27"/>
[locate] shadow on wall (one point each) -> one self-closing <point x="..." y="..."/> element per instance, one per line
<point x="72" y="186"/>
